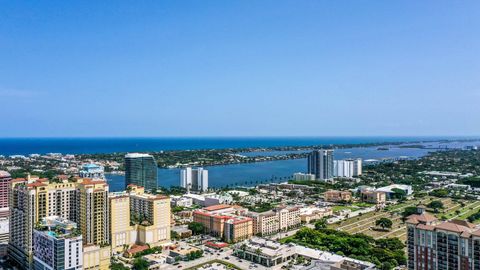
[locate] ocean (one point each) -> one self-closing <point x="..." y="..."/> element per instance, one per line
<point x="24" y="146"/>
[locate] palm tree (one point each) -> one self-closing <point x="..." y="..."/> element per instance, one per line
<point x="243" y="247"/>
<point x="258" y="251"/>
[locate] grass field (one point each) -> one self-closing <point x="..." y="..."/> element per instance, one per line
<point x="366" y="223"/>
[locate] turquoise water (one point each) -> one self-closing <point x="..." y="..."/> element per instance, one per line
<point x="249" y="174"/>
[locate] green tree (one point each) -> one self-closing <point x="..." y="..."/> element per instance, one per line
<point x="140" y="264"/>
<point x="435" y="205"/>
<point x="321" y="224"/>
<point x="196" y="227"/>
<point x="384" y="223"/>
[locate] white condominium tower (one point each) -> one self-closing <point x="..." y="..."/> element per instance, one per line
<point x="347" y="167"/>
<point x="194" y="179"/>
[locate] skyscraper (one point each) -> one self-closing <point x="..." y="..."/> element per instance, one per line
<point x="347" y="167"/>
<point x="4" y="211"/>
<point x="194" y="179"/>
<point x="94" y="221"/>
<point x="141" y="170"/>
<point x="57" y="245"/>
<point x="31" y="200"/>
<point x="4" y="185"/>
<point x="320" y="163"/>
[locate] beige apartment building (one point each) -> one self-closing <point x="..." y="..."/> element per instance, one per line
<point x="138" y="218"/>
<point x="337" y="196"/>
<point x="376" y="197"/>
<point x="276" y="220"/>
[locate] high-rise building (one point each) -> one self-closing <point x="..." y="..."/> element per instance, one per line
<point x="93" y="171"/>
<point x="347" y="167"/>
<point x="4" y="211"/>
<point x="94" y="221"/>
<point x="138" y="218"/>
<point x="357" y="167"/>
<point x="4" y="186"/>
<point x="31" y="200"/>
<point x="320" y="163"/>
<point x="432" y="244"/>
<point x="57" y="244"/>
<point x="141" y="170"/>
<point x="194" y="179"/>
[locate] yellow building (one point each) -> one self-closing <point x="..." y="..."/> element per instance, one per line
<point x="95" y="257"/>
<point x="94" y="220"/>
<point x="138" y="218"/>
<point x="337" y="196"/>
<point x="377" y="197"/>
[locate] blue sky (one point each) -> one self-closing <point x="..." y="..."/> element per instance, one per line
<point x="239" y="68"/>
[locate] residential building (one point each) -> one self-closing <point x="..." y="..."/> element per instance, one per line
<point x="347" y="168"/>
<point x="92" y="171"/>
<point x="141" y="170"/>
<point x="320" y="163"/>
<point x="222" y="221"/>
<point x="357" y="167"/>
<point x="93" y="210"/>
<point x="303" y="176"/>
<point x="337" y="196"/>
<point x="275" y="220"/>
<point x="30" y="201"/>
<point x="194" y="179"/>
<point x="310" y="214"/>
<point x="4" y="235"/>
<point x="57" y="244"/>
<point x="432" y="244"/>
<point x="4" y="186"/>
<point x="138" y="218"/>
<point x="376" y="197"/>
<point x="5" y="179"/>
<point x="96" y="257"/>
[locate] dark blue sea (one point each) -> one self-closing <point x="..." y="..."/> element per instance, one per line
<point x="23" y="146"/>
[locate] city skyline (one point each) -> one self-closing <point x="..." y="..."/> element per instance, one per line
<point x="236" y="69"/>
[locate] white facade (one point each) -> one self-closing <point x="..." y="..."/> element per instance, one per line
<point x="194" y="179"/>
<point x="56" y="247"/>
<point x="347" y="167"/>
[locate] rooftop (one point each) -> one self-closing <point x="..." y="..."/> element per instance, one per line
<point x="137" y="155"/>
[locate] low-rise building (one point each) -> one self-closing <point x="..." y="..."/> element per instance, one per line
<point x="181" y="201"/>
<point x="275" y="220"/>
<point x="221" y="221"/>
<point x="303" y="176"/>
<point x="376" y="197"/>
<point x="337" y="196"/>
<point x="275" y="255"/>
<point x="390" y="190"/>
<point x="309" y="214"/>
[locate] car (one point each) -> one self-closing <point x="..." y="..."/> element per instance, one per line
<point x="179" y="266"/>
